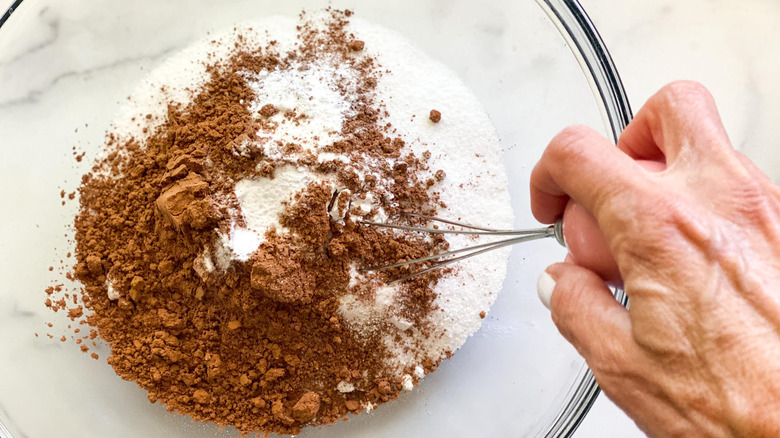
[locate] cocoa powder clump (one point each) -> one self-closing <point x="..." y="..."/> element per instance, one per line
<point x="185" y="203"/>
<point x="435" y="116"/>
<point x="356" y="45"/>
<point x="307" y="407"/>
<point x="268" y="110"/>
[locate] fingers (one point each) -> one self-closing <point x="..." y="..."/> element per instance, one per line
<point x="581" y="164"/>
<point x="586" y="313"/>
<point x="681" y="114"/>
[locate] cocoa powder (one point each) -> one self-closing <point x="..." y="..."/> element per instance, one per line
<point x="356" y="45"/>
<point x="259" y="345"/>
<point x="268" y="110"/>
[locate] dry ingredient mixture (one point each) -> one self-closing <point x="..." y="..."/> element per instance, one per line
<point x="221" y="248"/>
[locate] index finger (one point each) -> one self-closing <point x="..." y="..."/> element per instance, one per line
<point x="681" y="114"/>
<point x="581" y="164"/>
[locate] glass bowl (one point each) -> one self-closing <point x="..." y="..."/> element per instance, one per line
<point x="66" y="67"/>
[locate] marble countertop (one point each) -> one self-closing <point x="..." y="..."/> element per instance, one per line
<point x="728" y="45"/>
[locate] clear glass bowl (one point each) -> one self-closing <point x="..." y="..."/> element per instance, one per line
<point x="65" y="68"/>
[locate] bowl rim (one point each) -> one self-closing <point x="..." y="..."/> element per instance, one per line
<point x="587" y="46"/>
<point x="7" y="15"/>
<point x="584" y="41"/>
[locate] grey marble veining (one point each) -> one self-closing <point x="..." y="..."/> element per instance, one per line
<point x="49" y="34"/>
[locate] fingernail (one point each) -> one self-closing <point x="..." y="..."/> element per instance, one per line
<point x="544" y="287"/>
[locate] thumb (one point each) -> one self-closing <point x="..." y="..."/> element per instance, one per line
<point x="585" y="311"/>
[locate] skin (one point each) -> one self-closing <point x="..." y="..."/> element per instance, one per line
<point x="697" y="245"/>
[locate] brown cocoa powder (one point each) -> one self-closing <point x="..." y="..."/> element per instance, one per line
<point x="356" y="45"/>
<point x="260" y="346"/>
<point x="268" y="110"/>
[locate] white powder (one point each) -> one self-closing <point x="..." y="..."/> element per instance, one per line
<point x="407" y="382"/>
<point x="345" y="387"/>
<point x="464" y="144"/>
<point x="243" y="241"/>
<point x="310" y="92"/>
<point x="365" y="316"/>
<point x="112" y="293"/>
<point x="262" y="201"/>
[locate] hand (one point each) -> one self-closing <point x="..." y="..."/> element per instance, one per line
<point x="698" y="247"/>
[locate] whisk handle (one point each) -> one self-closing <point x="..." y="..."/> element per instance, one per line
<point x="586" y="242"/>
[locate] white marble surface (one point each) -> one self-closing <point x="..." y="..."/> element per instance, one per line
<point x="729" y="45"/>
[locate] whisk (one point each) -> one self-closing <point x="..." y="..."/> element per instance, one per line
<point x="589" y="245"/>
<point x="441" y="259"/>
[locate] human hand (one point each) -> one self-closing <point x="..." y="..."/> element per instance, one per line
<point x="698" y="248"/>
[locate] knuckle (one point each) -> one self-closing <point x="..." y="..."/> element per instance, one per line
<point x="568" y="144"/>
<point x="753" y="199"/>
<point x="680" y="89"/>
<point x="671" y="95"/>
<point x="645" y="229"/>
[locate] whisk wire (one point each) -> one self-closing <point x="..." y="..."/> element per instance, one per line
<point x="451" y="222"/>
<point x="475" y="231"/>
<point x="488" y="245"/>
<point x="520" y="236"/>
<point x="440" y="264"/>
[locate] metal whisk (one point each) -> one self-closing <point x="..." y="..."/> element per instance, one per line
<point x="441" y="259"/>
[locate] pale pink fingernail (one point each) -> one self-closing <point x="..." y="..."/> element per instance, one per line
<point x="544" y="287"/>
